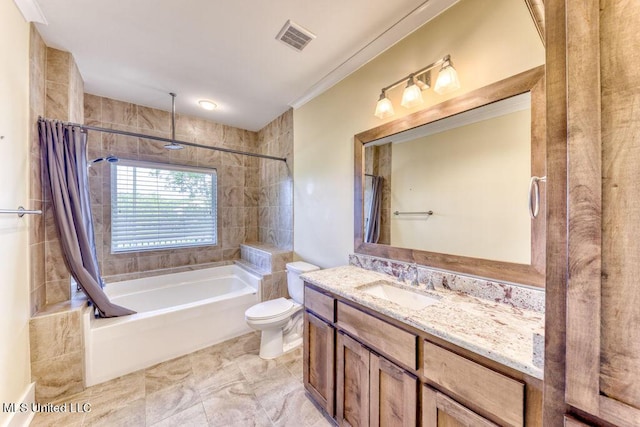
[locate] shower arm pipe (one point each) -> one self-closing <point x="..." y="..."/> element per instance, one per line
<point x="173" y="117"/>
<point x="161" y="139"/>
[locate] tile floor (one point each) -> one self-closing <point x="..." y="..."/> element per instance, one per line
<point x="223" y="385"/>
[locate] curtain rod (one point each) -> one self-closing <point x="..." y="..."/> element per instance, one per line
<point x="159" y="138"/>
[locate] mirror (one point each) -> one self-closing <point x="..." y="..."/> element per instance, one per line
<point x="447" y="186"/>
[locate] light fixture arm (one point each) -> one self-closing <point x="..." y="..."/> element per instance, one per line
<point x="417" y="73"/>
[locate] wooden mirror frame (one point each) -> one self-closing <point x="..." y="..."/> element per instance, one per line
<point x="528" y="274"/>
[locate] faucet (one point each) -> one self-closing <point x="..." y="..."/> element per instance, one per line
<point x="414" y="282"/>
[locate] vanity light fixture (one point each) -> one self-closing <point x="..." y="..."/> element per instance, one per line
<point x="384" y="107"/>
<point x="208" y="104"/>
<point x="418" y="81"/>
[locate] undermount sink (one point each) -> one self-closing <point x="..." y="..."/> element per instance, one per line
<point x="403" y="297"/>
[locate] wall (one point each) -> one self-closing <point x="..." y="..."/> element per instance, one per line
<point x="61" y="99"/>
<point x="37" y="95"/>
<point x="488" y="41"/>
<point x="14" y="231"/>
<point x="238" y="181"/>
<point x="475" y="179"/>
<point x="275" y="203"/>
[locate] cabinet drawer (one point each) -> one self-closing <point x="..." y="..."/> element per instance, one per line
<point x="319" y="303"/>
<point x="499" y="396"/>
<point x="394" y="342"/>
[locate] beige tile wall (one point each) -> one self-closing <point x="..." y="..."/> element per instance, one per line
<point x="56" y="91"/>
<point x="237" y="181"/>
<point x="57" y="354"/>
<point x="37" y="70"/>
<point x="275" y="203"/>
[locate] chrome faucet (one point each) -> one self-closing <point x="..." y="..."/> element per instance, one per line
<point x="414" y="282"/>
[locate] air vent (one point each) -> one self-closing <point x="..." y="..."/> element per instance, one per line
<point x="295" y="36"/>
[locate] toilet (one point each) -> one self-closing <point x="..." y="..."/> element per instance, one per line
<point x="280" y="320"/>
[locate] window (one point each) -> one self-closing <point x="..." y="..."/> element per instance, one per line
<point x="159" y="206"/>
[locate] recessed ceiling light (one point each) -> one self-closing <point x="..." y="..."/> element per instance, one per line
<point x="207" y="104"/>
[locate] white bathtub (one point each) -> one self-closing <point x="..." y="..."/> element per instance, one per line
<point x="176" y="314"/>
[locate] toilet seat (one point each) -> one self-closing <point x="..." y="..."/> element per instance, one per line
<point x="272" y="309"/>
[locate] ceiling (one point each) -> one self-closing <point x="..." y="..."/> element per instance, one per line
<point x="139" y="51"/>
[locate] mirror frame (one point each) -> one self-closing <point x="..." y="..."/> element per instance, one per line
<point x="528" y="274"/>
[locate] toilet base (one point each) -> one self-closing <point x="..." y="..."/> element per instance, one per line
<point x="275" y="342"/>
<point x="271" y="343"/>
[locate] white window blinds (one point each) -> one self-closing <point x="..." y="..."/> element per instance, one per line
<point x="158" y="206"/>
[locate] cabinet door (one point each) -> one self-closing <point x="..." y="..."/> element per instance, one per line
<point x="603" y="342"/>
<point x="352" y="393"/>
<point x="439" y="410"/>
<point x="393" y="394"/>
<point x="318" y="361"/>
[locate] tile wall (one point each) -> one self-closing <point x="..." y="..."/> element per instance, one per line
<point x="56" y="91"/>
<point x="275" y="202"/>
<point x="238" y="181"/>
<point x="37" y="70"/>
<point x="269" y="262"/>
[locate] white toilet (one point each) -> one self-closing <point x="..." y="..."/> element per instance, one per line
<point x="280" y="320"/>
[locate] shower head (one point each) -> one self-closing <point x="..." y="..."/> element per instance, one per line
<point x="173" y="146"/>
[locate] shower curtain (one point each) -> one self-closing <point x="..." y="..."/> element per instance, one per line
<point x="372" y="233"/>
<point x="64" y="170"/>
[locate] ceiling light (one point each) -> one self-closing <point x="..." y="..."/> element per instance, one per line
<point x="384" y="108"/>
<point x="417" y="82"/>
<point x="207" y="104"/>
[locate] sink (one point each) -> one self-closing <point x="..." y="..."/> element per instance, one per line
<point x="404" y="297"/>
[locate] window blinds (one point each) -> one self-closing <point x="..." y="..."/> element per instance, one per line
<point x="158" y="206"/>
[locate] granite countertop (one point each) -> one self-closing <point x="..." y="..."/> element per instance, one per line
<point x="496" y="331"/>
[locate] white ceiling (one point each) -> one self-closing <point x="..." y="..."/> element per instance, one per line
<point x="139" y="51"/>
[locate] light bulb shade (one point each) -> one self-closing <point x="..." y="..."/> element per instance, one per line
<point x="412" y="96"/>
<point x="384" y="108"/>
<point x="447" y="79"/>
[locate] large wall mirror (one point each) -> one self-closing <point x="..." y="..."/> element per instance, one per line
<point x="449" y="186"/>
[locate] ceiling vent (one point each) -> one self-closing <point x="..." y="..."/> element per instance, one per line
<point x="295" y="36"/>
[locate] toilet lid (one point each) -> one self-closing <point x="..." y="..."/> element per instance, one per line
<point x="267" y="309"/>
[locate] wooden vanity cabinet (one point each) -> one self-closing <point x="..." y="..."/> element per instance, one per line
<point x="393" y="394"/>
<point x="438" y="410"/>
<point x="389" y="374"/>
<point x="319" y="350"/>
<point x="352" y="382"/>
<point x="370" y="390"/>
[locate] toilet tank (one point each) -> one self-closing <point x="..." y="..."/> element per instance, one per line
<point x="294" y="282"/>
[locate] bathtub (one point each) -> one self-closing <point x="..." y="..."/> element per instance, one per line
<point x="176" y="314"/>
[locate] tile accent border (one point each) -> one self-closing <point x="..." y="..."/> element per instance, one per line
<point x="518" y="296"/>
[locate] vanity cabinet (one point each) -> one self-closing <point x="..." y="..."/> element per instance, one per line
<point x="352" y="380"/>
<point x="387" y="373"/>
<point x="438" y="410"/>
<point x="372" y="391"/>
<point x="319" y="350"/>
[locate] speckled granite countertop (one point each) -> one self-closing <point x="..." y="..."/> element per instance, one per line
<point x="497" y="331"/>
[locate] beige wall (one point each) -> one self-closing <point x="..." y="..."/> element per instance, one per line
<point x="14" y="231"/>
<point x="475" y="179"/>
<point x="488" y="40"/>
